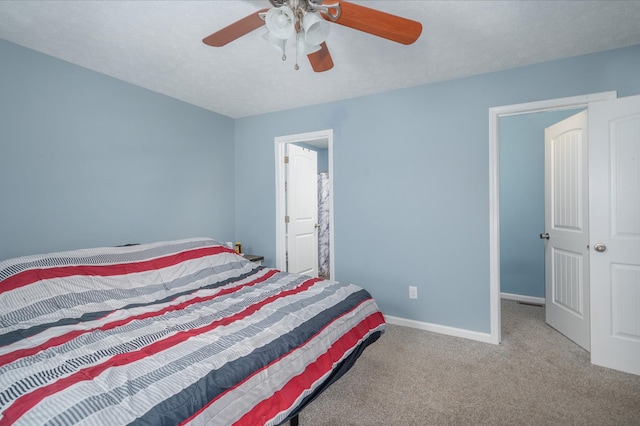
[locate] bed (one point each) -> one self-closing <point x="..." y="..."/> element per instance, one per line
<point x="176" y="332"/>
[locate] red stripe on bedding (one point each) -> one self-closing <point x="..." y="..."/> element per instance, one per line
<point x="283" y="399"/>
<point x="29" y="400"/>
<point x="60" y="340"/>
<point x="31" y="276"/>
<point x="381" y="319"/>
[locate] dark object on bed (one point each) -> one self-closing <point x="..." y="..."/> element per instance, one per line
<point x="180" y="332"/>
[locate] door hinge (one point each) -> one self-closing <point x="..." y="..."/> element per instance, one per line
<point x="286" y="159"/>
<point x="286" y="219"/>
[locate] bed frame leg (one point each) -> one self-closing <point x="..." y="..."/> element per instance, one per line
<point x="294" y="421"/>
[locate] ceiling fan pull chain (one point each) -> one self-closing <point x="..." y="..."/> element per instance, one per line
<point x="284" y="54"/>
<point x="296" y="67"/>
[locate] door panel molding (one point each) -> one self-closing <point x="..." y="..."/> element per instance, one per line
<point x="566" y="288"/>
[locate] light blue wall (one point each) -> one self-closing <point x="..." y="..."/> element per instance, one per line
<point x="522" y="201"/>
<point x="87" y="160"/>
<point x="411" y="181"/>
<point x="323" y="160"/>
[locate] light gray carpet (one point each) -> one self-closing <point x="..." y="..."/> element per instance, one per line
<point x="535" y="376"/>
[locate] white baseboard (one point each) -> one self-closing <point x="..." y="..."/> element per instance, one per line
<point x="442" y="329"/>
<point x="521" y="298"/>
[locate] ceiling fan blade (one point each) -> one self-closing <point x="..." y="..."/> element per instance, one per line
<point x="235" y="30"/>
<point x="321" y="60"/>
<point x="375" y="22"/>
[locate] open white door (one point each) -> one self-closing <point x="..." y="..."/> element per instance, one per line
<point x="302" y="210"/>
<point x="614" y="181"/>
<point x="566" y="229"/>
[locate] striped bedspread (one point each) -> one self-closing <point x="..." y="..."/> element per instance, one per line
<point x="179" y="332"/>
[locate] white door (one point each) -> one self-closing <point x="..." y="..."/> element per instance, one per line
<point x="302" y="210"/>
<point x="566" y="229"/>
<point x="614" y="180"/>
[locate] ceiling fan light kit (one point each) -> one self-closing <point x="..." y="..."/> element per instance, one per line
<point x="280" y="22"/>
<point x="300" y="18"/>
<point x="316" y="29"/>
<point x="309" y="21"/>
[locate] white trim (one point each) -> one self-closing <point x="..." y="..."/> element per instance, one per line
<point x="522" y="298"/>
<point x="494" y="186"/>
<point x="441" y="329"/>
<point x="279" y="150"/>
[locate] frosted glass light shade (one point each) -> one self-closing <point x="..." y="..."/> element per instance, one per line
<point x="316" y="29"/>
<point x="280" y="22"/>
<point x="306" y="48"/>
<point x="275" y="42"/>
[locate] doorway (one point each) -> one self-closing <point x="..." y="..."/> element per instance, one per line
<point x="322" y="140"/>
<point x="494" y="187"/>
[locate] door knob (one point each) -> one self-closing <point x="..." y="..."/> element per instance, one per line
<point x="544" y="236"/>
<point x="599" y="247"/>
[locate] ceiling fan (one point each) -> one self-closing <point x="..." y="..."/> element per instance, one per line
<point x="308" y="21"/>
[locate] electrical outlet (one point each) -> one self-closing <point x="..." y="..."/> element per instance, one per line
<point x="413" y="292"/>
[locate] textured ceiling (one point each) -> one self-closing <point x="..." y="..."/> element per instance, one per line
<point x="157" y="45"/>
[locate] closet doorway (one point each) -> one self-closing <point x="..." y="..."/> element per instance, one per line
<point x="495" y="114"/>
<point x="288" y="253"/>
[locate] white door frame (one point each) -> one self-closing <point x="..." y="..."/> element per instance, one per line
<point x="494" y="186"/>
<point x="279" y="149"/>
